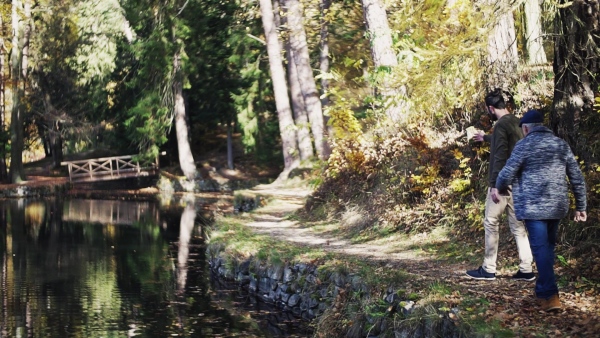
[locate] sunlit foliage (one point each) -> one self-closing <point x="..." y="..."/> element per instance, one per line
<point x="99" y="24"/>
<point x="441" y="47"/>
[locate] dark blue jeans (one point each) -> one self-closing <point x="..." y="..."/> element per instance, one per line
<point x="542" y="239"/>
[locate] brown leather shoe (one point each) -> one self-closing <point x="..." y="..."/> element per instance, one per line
<point x="550" y="304"/>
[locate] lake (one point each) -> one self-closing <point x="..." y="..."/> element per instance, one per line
<point x="106" y="268"/>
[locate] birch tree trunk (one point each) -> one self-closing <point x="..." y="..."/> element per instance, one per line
<point x="304" y="141"/>
<point x="186" y="159"/>
<point x="324" y="65"/>
<point x="299" y="109"/>
<point x="533" y="30"/>
<point x="384" y="58"/>
<point x="282" y="102"/>
<point x="16" y="122"/>
<point x="324" y="52"/>
<point x="502" y="46"/>
<point x="575" y="67"/>
<point x="301" y="57"/>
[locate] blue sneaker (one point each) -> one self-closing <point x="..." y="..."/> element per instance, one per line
<point x="524" y="276"/>
<point x="481" y="274"/>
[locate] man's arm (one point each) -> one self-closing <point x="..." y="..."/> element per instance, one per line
<point x="500" y="152"/>
<point x="508" y="174"/>
<point x="577" y="181"/>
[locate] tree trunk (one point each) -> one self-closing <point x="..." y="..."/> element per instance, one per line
<point x="502" y="47"/>
<point x="297" y="37"/>
<point x="229" y="145"/>
<point x="533" y="30"/>
<point x="384" y="58"/>
<point x="282" y="103"/>
<point x="324" y="65"/>
<point x="44" y="137"/>
<point x="16" y="122"/>
<point x="300" y="115"/>
<point x="3" y="168"/>
<point x="56" y="142"/>
<point x="186" y="159"/>
<point x="26" y="39"/>
<point x="324" y="52"/>
<point x="305" y="146"/>
<point x="52" y="136"/>
<point x="575" y="68"/>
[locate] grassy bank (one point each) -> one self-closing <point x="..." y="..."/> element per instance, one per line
<point x="392" y="298"/>
<point x="405" y="214"/>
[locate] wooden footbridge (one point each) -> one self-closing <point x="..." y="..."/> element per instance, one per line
<point x="108" y="168"/>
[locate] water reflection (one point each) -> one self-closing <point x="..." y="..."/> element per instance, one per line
<point x="110" y="211"/>
<point x="87" y="268"/>
<point x="185" y="233"/>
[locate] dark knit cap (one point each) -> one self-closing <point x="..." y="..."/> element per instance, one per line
<point x="532" y="116"/>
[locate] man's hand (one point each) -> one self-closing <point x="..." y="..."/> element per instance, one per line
<point x="478" y="136"/>
<point x="580" y="216"/>
<point x="495" y="195"/>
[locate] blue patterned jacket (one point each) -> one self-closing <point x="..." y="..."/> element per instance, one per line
<point x="538" y="169"/>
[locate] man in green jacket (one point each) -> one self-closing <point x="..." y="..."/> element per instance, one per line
<point x="504" y="136"/>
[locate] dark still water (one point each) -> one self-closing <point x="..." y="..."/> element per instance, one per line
<point x="91" y="268"/>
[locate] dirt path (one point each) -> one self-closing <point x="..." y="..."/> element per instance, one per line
<point x="509" y="302"/>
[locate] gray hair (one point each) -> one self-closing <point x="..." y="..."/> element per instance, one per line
<point x="531" y="125"/>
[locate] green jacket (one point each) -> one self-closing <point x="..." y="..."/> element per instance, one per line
<point x="502" y="140"/>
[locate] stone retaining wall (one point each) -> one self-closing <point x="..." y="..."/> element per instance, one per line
<point x="307" y="293"/>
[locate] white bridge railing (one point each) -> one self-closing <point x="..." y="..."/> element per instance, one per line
<point x="107" y="168"/>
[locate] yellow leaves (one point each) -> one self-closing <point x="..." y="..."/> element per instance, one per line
<point x="459" y="185"/>
<point x="345" y="125"/>
<point x="597" y="102"/>
<point x="457" y="154"/>
<point x="425" y="181"/>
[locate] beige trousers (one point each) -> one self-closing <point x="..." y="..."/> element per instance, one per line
<point x="493" y="212"/>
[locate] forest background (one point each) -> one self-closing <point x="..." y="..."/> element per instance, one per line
<point x="373" y="97"/>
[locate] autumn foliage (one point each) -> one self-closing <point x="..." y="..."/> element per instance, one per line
<point x="423" y="178"/>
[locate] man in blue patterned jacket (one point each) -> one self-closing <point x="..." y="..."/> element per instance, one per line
<point x="537" y="169"/>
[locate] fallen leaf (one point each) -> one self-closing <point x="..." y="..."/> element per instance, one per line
<point x="501" y="316"/>
<point x="585" y="321"/>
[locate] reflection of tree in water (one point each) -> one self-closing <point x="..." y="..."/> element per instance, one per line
<point x="5" y="248"/>
<point x="35" y="216"/>
<point x="65" y="275"/>
<point x="87" y="279"/>
<point x="186" y="226"/>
